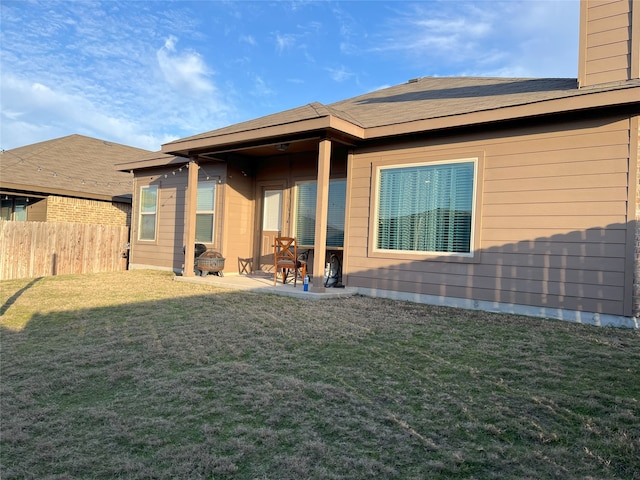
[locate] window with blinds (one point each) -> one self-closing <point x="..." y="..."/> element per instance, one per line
<point x="205" y="212"/>
<point x="148" y="212"/>
<point x="426" y="208"/>
<point x="305" y="214"/>
<point x="272" y="211"/>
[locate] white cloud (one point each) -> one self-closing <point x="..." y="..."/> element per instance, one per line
<point x="36" y="109"/>
<point x="284" y="42"/>
<point x="186" y="71"/>
<point x="261" y="89"/>
<point x="248" y="39"/>
<point x="483" y="38"/>
<point x="340" y="74"/>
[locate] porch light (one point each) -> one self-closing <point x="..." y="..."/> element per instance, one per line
<point x="282" y="147"/>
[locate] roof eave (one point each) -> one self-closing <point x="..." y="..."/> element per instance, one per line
<point x="159" y="161"/>
<point x="328" y="123"/>
<point x="620" y="97"/>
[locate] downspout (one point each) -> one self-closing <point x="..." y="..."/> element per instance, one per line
<point x="322" y="202"/>
<point x="190" y="218"/>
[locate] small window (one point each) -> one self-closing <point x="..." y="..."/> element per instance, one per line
<point x="148" y="212"/>
<point x="7" y="209"/>
<point x="306" y="213"/>
<point x="205" y="212"/>
<point x="272" y="211"/>
<point x="426" y="208"/>
<point x="14" y="209"/>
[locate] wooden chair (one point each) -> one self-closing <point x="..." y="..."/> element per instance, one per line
<point x="285" y="258"/>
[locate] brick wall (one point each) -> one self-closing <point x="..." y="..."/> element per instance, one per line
<point x="78" y="210"/>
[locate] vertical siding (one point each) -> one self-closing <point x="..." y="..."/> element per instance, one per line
<point x="553" y="226"/>
<point x="606" y="41"/>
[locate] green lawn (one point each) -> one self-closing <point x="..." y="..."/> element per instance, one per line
<point x="132" y="375"/>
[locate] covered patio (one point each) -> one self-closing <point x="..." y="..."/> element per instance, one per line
<point x="267" y="167"/>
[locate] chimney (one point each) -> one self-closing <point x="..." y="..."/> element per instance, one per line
<point x="609" y="42"/>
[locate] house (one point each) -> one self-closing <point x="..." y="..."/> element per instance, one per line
<point x="503" y="194"/>
<point x="67" y="179"/>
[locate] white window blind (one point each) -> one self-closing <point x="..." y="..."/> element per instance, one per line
<point x="426" y="208"/>
<point x="272" y="211"/>
<point x="205" y="211"/>
<point x="148" y="212"/>
<point x="306" y="213"/>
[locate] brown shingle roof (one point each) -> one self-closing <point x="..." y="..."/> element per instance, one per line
<point x="77" y="165"/>
<point x="420" y="99"/>
<point x="433" y="97"/>
<point x="306" y="112"/>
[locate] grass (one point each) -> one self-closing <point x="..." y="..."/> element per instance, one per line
<point x="132" y="375"/>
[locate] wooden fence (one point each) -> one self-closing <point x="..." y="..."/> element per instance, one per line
<point x="37" y="249"/>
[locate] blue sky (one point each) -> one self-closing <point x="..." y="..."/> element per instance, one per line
<point x="143" y="73"/>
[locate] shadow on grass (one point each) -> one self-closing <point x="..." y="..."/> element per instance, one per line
<point x="209" y="384"/>
<point x="17" y="295"/>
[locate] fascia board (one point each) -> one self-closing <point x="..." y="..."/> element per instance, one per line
<point x="346" y="127"/>
<point x="179" y="147"/>
<point x="150" y="163"/>
<point x="623" y="96"/>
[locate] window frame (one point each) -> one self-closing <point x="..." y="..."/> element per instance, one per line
<point x="155" y="214"/>
<point x="473" y="255"/>
<point x="211" y="212"/>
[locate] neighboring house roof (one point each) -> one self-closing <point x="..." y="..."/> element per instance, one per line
<point x="419" y="105"/>
<point x="75" y="165"/>
<point x="150" y="159"/>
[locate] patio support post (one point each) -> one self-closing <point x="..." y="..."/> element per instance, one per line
<point x="322" y="202"/>
<point x="190" y="218"/>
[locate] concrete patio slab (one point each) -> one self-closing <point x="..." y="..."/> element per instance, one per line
<point x="263" y="283"/>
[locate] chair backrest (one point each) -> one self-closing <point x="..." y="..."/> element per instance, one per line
<point x="285" y="250"/>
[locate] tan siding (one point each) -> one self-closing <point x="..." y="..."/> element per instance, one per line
<point x="570" y="155"/>
<point x="238" y="219"/>
<point x="553" y="220"/>
<point x="605" y="194"/>
<point x="619" y="20"/>
<point x="599" y="9"/>
<point x="558" y="169"/>
<point x="484" y="286"/>
<point x="552" y="209"/>
<point x="606" y="35"/>
<point x="633" y="275"/>
<point x="616" y="49"/>
<point x="606" y="77"/>
<point x="618" y="64"/>
<point x="559" y="183"/>
<point x="422" y="271"/>
<point x="497" y="293"/>
<point x="166" y="250"/>
<point x="37" y="210"/>
<point x="561" y="223"/>
<point x="494" y="237"/>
